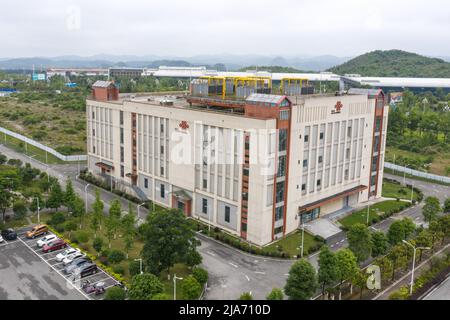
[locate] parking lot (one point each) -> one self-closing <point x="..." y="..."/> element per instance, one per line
<point x="29" y="274"/>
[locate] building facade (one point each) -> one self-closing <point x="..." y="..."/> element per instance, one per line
<point x="257" y="168"/>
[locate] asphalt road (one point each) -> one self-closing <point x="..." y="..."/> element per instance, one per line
<point x="442" y="292"/>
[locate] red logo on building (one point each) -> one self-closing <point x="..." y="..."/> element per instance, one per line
<point x="184" y="125"/>
<point x="337" y="108"/>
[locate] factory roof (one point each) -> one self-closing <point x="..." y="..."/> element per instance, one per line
<point x="102" y="84"/>
<point x="265" y="98"/>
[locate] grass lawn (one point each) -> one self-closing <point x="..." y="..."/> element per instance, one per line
<point x="375" y="211"/>
<point x="395" y="190"/>
<point x="291" y="244"/>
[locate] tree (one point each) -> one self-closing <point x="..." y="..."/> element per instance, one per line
<point x="246" y="296"/>
<point x="302" y="281"/>
<point x="70" y="226"/>
<point x="436" y="230"/>
<point x="20" y="209"/>
<point x="115" y="293"/>
<point x="82" y="237"/>
<point x="431" y="209"/>
<point x="3" y="159"/>
<point x="191" y="288"/>
<point x="380" y="243"/>
<point x="399" y="258"/>
<point x="97" y="214"/>
<point x="360" y="280"/>
<point x="115" y="214"/>
<point x="328" y="269"/>
<point x="97" y="244"/>
<point x="444" y="224"/>
<point x="385" y="267"/>
<point x="193" y="259"/>
<point x="78" y="209"/>
<point x="447" y="205"/>
<point x="129" y="230"/>
<point x="200" y="274"/>
<point x="275" y="294"/>
<point x="9" y="180"/>
<point x="144" y="287"/>
<point x="424" y="240"/>
<point x="400" y="230"/>
<point x="359" y="241"/>
<point x="56" y="198"/>
<point x="69" y="195"/>
<point x="347" y="266"/>
<point x="37" y="199"/>
<point x="168" y="239"/>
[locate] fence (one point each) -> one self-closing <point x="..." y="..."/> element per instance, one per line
<point x="51" y="151"/>
<point x="416" y="173"/>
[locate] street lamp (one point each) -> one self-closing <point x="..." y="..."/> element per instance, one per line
<point x="175" y="278"/>
<point x="303" y="239"/>
<point x="414" y="262"/>
<point x="138" y="207"/>
<point x="86" y="197"/>
<point x="39" y="217"/>
<point x="412" y="191"/>
<point x="368" y="213"/>
<point x="140" y="265"/>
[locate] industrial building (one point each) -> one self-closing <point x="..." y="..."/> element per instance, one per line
<point x="238" y="153"/>
<point x="131" y="73"/>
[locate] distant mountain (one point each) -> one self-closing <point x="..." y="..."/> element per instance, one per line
<point x="395" y="63"/>
<point x="224" y="61"/>
<point x="274" y="69"/>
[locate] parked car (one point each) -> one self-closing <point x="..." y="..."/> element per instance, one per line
<point x="37" y="231"/>
<point x="61" y="256"/>
<point x="71" y="257"/>
<point x="75" y="264"/>
<point x="54" y="245"/>
<point x="85" y="270"/>
<point x="1" y="239"/>
<point x="89" y="288"/>
<point x="45" y="240"/>
<point x="9" y="234"/>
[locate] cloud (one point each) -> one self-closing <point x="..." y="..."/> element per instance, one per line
<point x="182" y="28"/>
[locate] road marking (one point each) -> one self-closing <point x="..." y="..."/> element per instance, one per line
<point x="259" y="272"/>
<point x="211" y="253"/>
<point x="86" y="296"/>
<point x="248" y="279"/>
<point x="342" y="241"/>
<point x="232" y="264"/>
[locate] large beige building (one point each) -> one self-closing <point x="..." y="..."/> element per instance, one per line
<point x="257" y="167"/>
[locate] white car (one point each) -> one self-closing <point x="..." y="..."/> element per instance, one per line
<point x="1" y="239"/>
<point x="45" y="240"/>
<point x="71" y="257"/>
<point x="61" y="256"/>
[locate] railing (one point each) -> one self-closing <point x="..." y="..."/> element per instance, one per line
<point x="36" y="144"/>
<point x="416" y="173"/>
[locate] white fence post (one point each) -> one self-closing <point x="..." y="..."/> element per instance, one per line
<point x="417" y="173"/>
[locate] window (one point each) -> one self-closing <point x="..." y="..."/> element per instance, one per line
<point x="246" y="172"/>
<point x="305" y="163"/>
<point x="145" y="183"/>
<point x="93" y="132"/>
<point x="279" y="213"/>
<point x="244" y="227"/>
<point x="93" y="115"/>
<point x="320" y="159"/>
<point x="205" y="184"/>
<point x="280" y="192"/>
<point x="378" y="124"/>
<point x="346" y="174"/>
<point x="162" y="127"/>
<point x="278" y="230"/>
<point x="122" y="139"/>
<point x="121" y="118"/>
<point x="347" y="154"/>
<point x="282" y="142"/>
<point x="349" y="132"/>
<point x="163" y="191"/>
<point x="321" y="136"/>
<point x="304" y="187"/>
<point x="227" y="214"/>
<point x="281" y="166"/>
<point x="306" y="138"/>
<point x="162" y="149"/>
<point x="122" y="171"/>
<point x="162" y="171"/>
<point x="284" y="115"/>
<point x="122" y="154"/>
<point x="93" y="149"/>
<point x="319" y="183"/>
<point x="204" y="206"/>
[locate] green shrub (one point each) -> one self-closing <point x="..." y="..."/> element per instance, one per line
<point x="57" y="219"/>
<point x="134" y="267"/>
<point x="191" y="288"/>
<point x="200" y="274"/>
<point x="119" y="269"/>
<point x="116" y="256"/>
<point x="115" y="293"/>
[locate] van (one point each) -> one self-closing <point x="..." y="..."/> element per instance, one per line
<point x="37" y="231"/>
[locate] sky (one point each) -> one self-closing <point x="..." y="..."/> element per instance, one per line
<point x="186" y="28"/>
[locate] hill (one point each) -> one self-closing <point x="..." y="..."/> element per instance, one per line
<point x="274" y="69"/>
<point x="395" y="63"/>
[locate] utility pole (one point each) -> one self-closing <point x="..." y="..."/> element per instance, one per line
<point x="414" y="263"/>
<point x="175" y="278"/>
